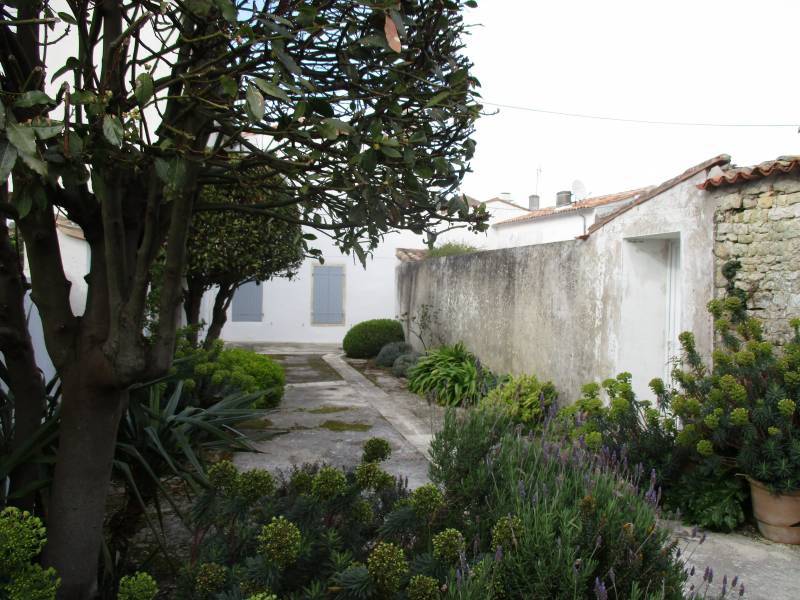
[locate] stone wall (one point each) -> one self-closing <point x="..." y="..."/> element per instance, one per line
<point x="758" y="223"/>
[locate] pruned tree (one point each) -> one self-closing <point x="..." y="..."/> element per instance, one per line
<point x="229" y="249"/>
<point x="116" y="114"/>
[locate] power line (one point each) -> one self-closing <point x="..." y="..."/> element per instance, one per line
<point x="639" y="121"/>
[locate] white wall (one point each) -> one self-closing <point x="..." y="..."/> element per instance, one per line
<point x="287" y="305"/>
<point x="543" y="230"/>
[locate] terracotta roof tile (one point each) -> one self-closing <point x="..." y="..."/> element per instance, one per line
<point x="410" y="254"/>
<point x="69" y="228"/>
<point x="580" y="204"/>
<point x="722" y="159"/>
<point x="504" y="201"/>
<point x="735" y="175"/>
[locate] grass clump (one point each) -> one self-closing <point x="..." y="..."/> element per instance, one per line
<point x="451" y="249"/>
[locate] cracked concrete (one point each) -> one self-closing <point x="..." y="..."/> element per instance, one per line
<point x="349" y="401"/>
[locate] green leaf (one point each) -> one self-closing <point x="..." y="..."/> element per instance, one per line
<point x="46" y="128"/>
<point x="8" y="156"/>
<point x="82" y="97"/>
<point x="328" y="131"/>
<point x="2" y="116"/>
<point x="23" y="202"/>
<point x="22" y="137"/>
<point x="368" y="160"/>
<point x="227" y="10"/>
<point x="113" y="130"/>
<point x="286" y="60"/>
<point x="229" y="86"/>
<point x="341" y="126"/>
<point x="271" y="89"/>
<point x="143" y="89"/>
<point x="255" y="103"/>
<point x="67" y="18"/>
<point x="419" y="137"/>
<point x="71" y="64"/>
<point x="390" y="152"/>
<point x="33" y="98"/>
<point x="437" y="98"/>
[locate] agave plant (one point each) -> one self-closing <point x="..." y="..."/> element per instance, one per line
<point x="36" y="449"/>
<point x="164" y="440"/>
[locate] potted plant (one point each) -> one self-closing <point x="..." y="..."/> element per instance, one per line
<point x="743" y="412"/>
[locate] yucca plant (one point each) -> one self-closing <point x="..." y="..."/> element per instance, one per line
<point x="451" y="376"/>
<point x="162" y="440"/>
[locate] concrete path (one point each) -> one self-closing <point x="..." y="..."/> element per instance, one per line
<point x="330" y="409"/>
<point x="768" y="571"/>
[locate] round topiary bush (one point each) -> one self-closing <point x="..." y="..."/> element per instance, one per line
<point x="390" y="352"/>
<point x="403" y="363"/>
<point x="367" y="338"/>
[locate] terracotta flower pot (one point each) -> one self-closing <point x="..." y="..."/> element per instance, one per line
<point x="778" y="515"/>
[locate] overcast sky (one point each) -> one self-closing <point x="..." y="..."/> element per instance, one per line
<point x="708" y="61"/>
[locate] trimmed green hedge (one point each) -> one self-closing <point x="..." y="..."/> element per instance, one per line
<point x="367" y="338"/>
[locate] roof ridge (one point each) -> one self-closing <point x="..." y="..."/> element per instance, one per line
<point x="722" y="159"/>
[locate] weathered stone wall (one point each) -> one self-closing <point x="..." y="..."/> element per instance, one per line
<point x="758" y="223"/>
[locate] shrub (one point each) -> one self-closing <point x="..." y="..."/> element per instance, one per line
<point x="451" y="249"/>
<point x="743" y="410"/>
<point x="139" y="586"/>
<point x="711" y="496"/>
<point x="316" y="526"/>
<point x="527" y="399"/>
<point x="560" y="520"/>
<point x="22" y="537"/>
<point x="386" y="565"/>
<point x="451" y="376"/>
<point x="366" y="339"/>
<point x="252" y="372"/>
<point x="636" y="429"/>
<point x="390" y="352"/>
<point x="376" y="450"/>
<point x="403" y="363"/>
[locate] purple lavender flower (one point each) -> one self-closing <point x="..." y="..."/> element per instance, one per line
<point x="612" y="576"/>
<point x="521" y="489"/>
<point x="600" y="589"/>
<point x="741" y="590"/>
<point x="735" y="581"/>
<point x="498" y="555"/>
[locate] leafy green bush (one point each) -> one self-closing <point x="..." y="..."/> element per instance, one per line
<point x="376" y="450"/>
<point x="743" y="410"/>
<point x="252" y="372"/>
<point x="451" y="376"/>
<point x="390" y="352"/>
<point x="526" y="398"/>
<point x="711" y="496"/>
<point x="451" y="249"/>
<point x="366" y="339"/>
<point x="22" y="537"/>
<point x="404" y="362"/>
<point x="139" y="586"/>
<point x="557" y="519"/>
<point x="643" y="433"/>
<point x="317" y="525"/>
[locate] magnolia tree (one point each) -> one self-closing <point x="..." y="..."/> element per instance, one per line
<point x="228" y="249"/>
<point x="357" y="115"/>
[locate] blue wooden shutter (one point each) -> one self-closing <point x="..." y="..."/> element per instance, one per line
<point x="328" y="301"/>
<point x="248" y="302"/>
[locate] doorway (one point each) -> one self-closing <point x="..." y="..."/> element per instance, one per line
<point x="650" y="309"/>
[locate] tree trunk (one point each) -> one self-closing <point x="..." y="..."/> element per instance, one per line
<point x="25" y="379"/>
<point x="219" y="314"/>
<point x="89" y="420"/>
<point x="191" y="306"/>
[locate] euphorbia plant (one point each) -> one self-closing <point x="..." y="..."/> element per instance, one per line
<point x="743" y="411"/>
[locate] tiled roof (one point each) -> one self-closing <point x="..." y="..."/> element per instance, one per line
<point x="69" y="228"/>
<point x="504" y="201"/>
<point x="783" y="164"/>
<point x="650" y="193"/>
<point x="410" y="254"/>
<point x="580" y="204"/>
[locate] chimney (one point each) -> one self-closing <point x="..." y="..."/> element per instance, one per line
<point x="533" y="202"/>
<point x="563" y="199"/>
<point x="505" y="196"/>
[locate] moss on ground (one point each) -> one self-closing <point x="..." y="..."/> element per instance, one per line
<point x="327" y="409"/>
<point x="333" y="425"/>
<point x="306" y="368"/>
<point x="255" y="424"/>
